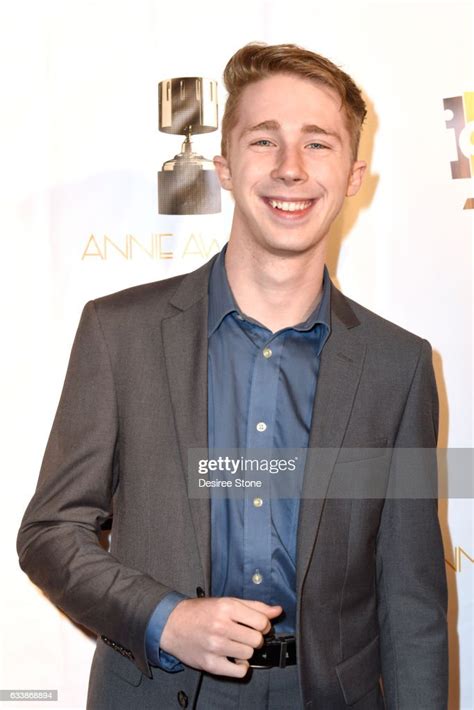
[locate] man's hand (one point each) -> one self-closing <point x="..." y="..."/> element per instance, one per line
<point x="203" y="633"/>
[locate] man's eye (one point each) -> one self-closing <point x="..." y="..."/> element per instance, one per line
<point x="262" y="141"/>
<point x="316" y="146"/>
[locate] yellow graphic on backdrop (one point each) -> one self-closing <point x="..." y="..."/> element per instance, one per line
<point x="159" y="246"/>
<point x="469" y="115"/>
<point x="459" y="554"/>
<point x="460" y="119"/>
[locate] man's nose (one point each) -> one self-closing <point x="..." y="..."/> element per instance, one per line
<point x="289" y="167"/>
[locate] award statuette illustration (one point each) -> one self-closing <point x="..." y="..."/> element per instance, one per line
<point x="188" y="183"/>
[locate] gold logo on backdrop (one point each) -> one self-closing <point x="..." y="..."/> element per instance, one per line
<point x="158" y="246"/>
<point x="460" y="554"/>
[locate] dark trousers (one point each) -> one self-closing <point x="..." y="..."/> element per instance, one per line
<point x="262" y="689"/>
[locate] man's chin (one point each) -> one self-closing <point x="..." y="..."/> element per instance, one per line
<point x="290" y="248"/>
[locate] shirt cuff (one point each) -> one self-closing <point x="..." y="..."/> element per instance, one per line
<point x="155" y="656"/>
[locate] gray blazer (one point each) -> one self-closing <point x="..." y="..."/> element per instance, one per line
<point x="371" y="585"/>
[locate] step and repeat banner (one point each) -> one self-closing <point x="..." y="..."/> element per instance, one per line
<point x="86" y="208"/>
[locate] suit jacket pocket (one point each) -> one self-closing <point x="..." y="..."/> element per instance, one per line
<point x="363" y="477"/>
<point x="360" y="673"/>
<point x="370" y="450"/>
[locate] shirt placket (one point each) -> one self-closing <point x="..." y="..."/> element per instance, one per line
<point x="260" y="435"/>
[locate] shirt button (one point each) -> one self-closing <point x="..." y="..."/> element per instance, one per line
<point x="261" y="426"/>
<point x="267" y="353"/>
<point x="257" y="578"/>
<point x="258" y="502"/>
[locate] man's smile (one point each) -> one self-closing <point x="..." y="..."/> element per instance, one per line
<point x="289" y="209"/>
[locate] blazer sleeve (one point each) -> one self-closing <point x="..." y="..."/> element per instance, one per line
<point x="411" y="577"/>
<point x="58" y="541"/>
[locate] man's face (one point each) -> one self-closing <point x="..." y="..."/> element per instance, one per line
<point x="289" y="165"/>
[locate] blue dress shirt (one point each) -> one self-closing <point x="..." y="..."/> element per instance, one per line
<point x="261" y="389"/>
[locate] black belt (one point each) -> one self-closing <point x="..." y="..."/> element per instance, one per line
<point x="277" y="651"/>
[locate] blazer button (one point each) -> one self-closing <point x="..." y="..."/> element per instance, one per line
<point x="183" y="699"/>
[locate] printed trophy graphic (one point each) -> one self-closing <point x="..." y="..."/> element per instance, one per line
<point x="188" y="183"/>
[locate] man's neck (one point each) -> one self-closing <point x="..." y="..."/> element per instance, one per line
<point x="277" y="291"/>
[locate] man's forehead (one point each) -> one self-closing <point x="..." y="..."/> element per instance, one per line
<point x="288" y="95"/>
<point x="284" y="85"/>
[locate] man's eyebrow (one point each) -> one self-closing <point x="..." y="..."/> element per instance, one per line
<point x="313" y="128"/>
<point x="274" y="126"/>
<point x="263" y="126"/>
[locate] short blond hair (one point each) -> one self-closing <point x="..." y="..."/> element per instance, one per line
<point x="256" y="61"/>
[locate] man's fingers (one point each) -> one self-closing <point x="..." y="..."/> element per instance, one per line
<point x="240" y="652"/>
<point x="264" y="612"/>
<point x="246" y="635"/>
<point x="267" y="609"/>
<point x="255" y="614"/>
<point x="242" y="664"/>
<point x="237" y="669"/>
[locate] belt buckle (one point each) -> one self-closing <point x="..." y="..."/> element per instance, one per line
<point x="265" y="643"/>
<point x="256" y="665"/>
<point x="282" y="663"/>
<point x="274" y="641"/>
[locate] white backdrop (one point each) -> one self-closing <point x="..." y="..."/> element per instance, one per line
<point x="79" y="153"/>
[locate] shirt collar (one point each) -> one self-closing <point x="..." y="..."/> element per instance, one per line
<point x="221" y="300"/>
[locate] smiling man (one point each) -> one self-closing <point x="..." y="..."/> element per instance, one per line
<point x="307" y="601"/>
<point x="289" y="164"/>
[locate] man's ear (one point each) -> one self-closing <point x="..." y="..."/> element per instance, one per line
<point x="223" y="172"/>
<point x="355" y="178"/>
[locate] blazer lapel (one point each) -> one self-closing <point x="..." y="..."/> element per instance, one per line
<point x="185" y="346"/>
<point x="340" y="370"/>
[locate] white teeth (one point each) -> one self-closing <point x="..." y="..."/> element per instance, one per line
<point x="290" y="206"/>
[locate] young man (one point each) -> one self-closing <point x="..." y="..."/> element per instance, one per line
<point x="255" y="349"/>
